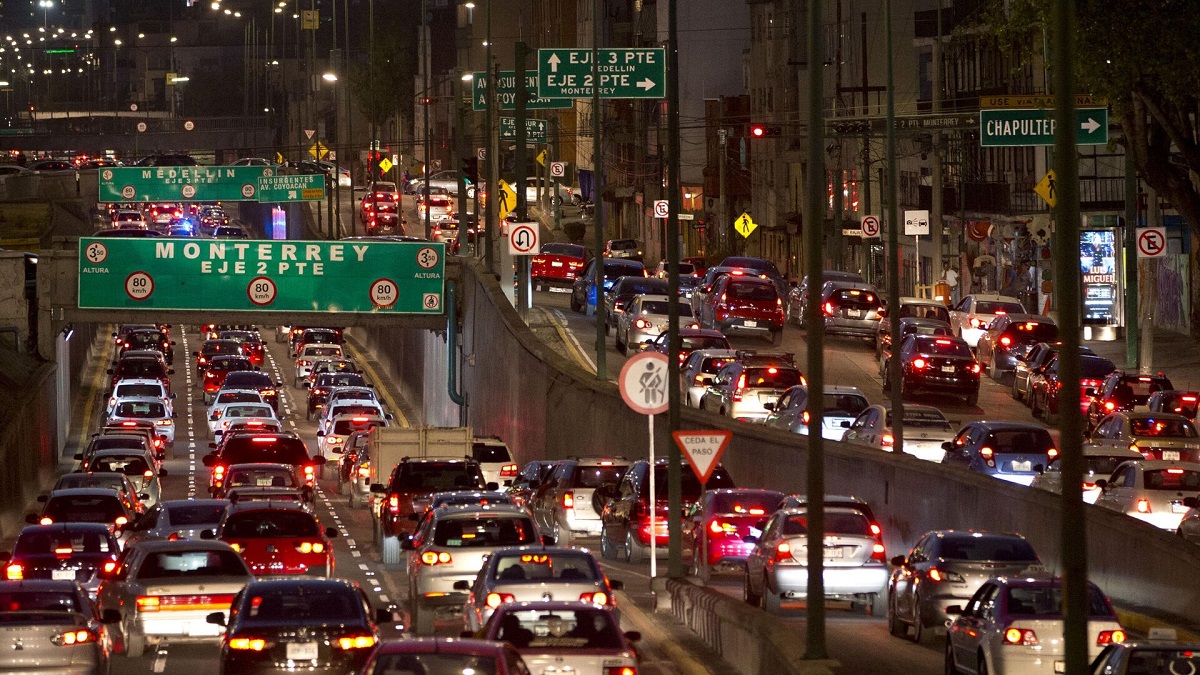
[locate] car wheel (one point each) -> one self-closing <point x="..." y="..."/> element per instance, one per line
<point x="887" y="376"/>
<point x="621" y="346"/>
<point x="748" y="594"/>
<point x="562" y="536"/>
<point x="135" y="643"/>
<point x="308" y="414"/>
<point x="919" y="632"/>
<point x="635" y="554"/>
<point x="950" y="668"/>
<point x="973" y="398"/>
<point x="873" y="607"/>
<point x="700" y="568"/>
<point x="1016" y="395"/>
<point x="982" y="668"/>
<point x="422" y="620"/>
<point x="575" y="305"/>
<point x="389" y="551"/>
<point x="606" y="547"/>
<point x="896" y="627"/>
<point x="994" y="371"/>
<point x="771" y="601"/>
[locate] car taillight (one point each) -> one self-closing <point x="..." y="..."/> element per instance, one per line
<point x="1051" y="454"/>
<point x="596" y="598"/>
<point x="508" y="471"/>
<point x="46" y="520"/>
<point x="394" y="503"/>
<point x="309" y="474"/>
<point x="121" y="521"/>
<point x="1143" y="506"/>
<point x="1020" y="636"/>
<point x="1110" y="406"/>
<point x="974" y="367"/>
<point x="310" y="547"/>
<point x="1108" y="637"/>
<point x="435" y="557"/>
<point x="918" y="363"/>
<point x="805" y="417"/>
<point x="936" y="574"/>
<point x="976" y="323"/>
<point x="641" y="324"/>
<point x="988" y="455"/>
<point x="783" y="552"/>
<point x="620" y="670"/>
<point x="887" y="440"/>
<point x="828" y="309"/>
<point x="878" y="553"/>
<point x="70" y="638"/>
<point x="1005" y="341"/>
<point x="364" y="471"/>
<point x="268" y="392"/>
<point x="568" y="500"/>
<point x="147" y="603"/>
<point x="720" y="528"/>
<point x="348" y="642"/>
<point x="14" y="572"/>
<point x="741" y="384"/>
<point x="494" y="600"/>
<point x="876" y="531"/>
<point x="247" y="644"/>
<point x="148" y="474"/>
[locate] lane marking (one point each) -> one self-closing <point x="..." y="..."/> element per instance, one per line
<point x="568" y="337"/>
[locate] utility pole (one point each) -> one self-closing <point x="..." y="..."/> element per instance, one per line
<point x="674" y="477"/>
<point x="460" y="153"/>
<point x="493" y="156"/>
<point x="598" y="201"/>
<point x="1131" y="270"/>
<point x="426" y="52"/>
<point x="814" y="217"/>
<point x="555" y="148"/>
<point x="892" y="266"/>
<point x="522" y="171"/>
<point x="1146" y="308"/>
<point x="935" y="206"/>
<point x="722" y="156"/>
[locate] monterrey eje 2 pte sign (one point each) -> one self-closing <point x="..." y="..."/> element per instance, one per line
<point x="293" y="276"/>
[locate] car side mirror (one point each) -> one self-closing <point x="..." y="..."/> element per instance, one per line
<point x="279" y="383"/>
<point x="633" y="636"/>
<point x="172" y="396"/>
<point x="953" y="610"/>
<point x="212" y="445"/>
<point x="389" y="417"/>
<point x="414" y="517"/>
<point x="31" y="518"/>
<point x="845" y="424"/>
<point x="899" y="561"/>
<point x="1190" y="502"/>
<point x="1102" y="484"/>
<point x="461" y="585"/>
<point x="215" y="618"/>
<point x="209" y="459"/>
<point x="172" y="343"/>
<point x="318" y="460"/>
<point x="163" y="471"/>
<point x="750" y="539"/>
<point x="881" y="313"/>
<point x="706" y="380"/>
<point x="948" y="446"/>
<point x="547" y="540"/>
<point x="492" y="485"/>
<point x="406" y="544"/>
<point x="144" y="496"/>
<point x="616" y="584"/>
<point x="208" y="534"/>
<point x="768" y="406"/>
<point x="332" y="532"/>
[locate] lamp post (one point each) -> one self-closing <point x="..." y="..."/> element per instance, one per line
<point x="45" y="5"/>
<point x="335" y="207"/>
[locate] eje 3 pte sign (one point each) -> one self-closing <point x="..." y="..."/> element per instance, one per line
<point x="292" y="276"/>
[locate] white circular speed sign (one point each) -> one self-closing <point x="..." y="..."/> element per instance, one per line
<point x="384" y="292"/>
<point x="188" y="191"/>
<point x="139" y="285"/>
<point x="128" y="192"/>
<point x="141" y="126"/>
<point x="643" y="383"/>
<point x="248" y="190"/>
<point x="189" y="125"/>
<point x="262" y="291"/>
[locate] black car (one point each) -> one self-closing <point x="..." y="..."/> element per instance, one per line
<point x="797" y="297"/>
<point x="583" y="290"/>
<point x="324" y="623"/>
<point x="149" y="339"/>
<point x="937" y="364"/>
<point x="260" y="381"/>
<point x="1122" y="390"/>
<point x="1011" y="451"/>
<point x="1010" y="337"/>
<point x="622" y="293"/>
<point x="909" y="325"/>
<point x="528" y="479"/>
<point x="73" y="551"/>
<point x="318" y="393"/>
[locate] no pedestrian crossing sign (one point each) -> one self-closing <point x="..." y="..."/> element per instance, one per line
<point x="292" y="276"/>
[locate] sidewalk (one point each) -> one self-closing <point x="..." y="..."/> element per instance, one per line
<point x="1175" y="354"/>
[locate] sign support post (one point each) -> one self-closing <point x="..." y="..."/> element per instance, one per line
<point x="643" y="385"/>
<point x="654" y="503"/>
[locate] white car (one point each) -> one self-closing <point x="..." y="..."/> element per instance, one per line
<point x="310" y="354"/>
<point x="925" y="430"/>
<point x="495" y="461"/>
<point x="330" y="441"/>
<point x="139" y="465"/>
<point x="1015" y="625"/>
<point x="971" y="316"/>
<point x="1099" y="462"/>
<point x="226" y="398"/>
<point x="645" y="319"/>
<point x="440" y="207"/>
<point x="350" y="407"/>
<point x="339" y="395"/>
<point x="145" y="408"/>
<point x="564" y="637"/>
<point x="129" y="220"/>
<point x="141" y="387"/>
<point x="698" y="372"/>
<point x="1151" y="490"/>
<point x="239" y="413"/>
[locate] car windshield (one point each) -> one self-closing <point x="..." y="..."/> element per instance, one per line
<point x="836" y="522"/>
<point x="84" y="508"/>
<point x="615" y="270"/>
<point x="1032" y="331"/>
<point x="559" y="629"/>
<point x="845" y="404"/>
<point x="63" y="543"/>
<point x="484" y="530"/>
<point x="490" y="452"/>
<point x="1172" y="479"/>
<point x="1160" y="428"/>
<point x="439" y="476"/>
<point x="90" y="480"/>
<point x="942" y="346"/>
<point x="691" y="488"/>
<point x="752" y="292"/>
<point x="201" y="563"/>
<point x="146" y="340"/>
<point x="434" y="664"/>
<point x="249" y="411"/>
<point x="36" y="601"/>
<point x="714" y="364"/>
<point x="623" y="245"/>
<point x="746" y="503"/>
<point x="1010" y="441"/>
<point x="272" y="449"/>
<point x="544" y="567"/>
<point x="146" y="410"/>
<point x="195" y="514"/>
<point x="130" y="465"/>
<point x="769" y="378"/>
<point x="923" y="311"/>
<point x="659" y="307"/>
<point x="1047" y="601"/>
<point x="239" y="397"/>
<point x="594" y="476"/>
<point x="124" y="390"/>
<point x="983" y="547"/>
<point x="270" y="523"/>
<point x="991" y="307"/>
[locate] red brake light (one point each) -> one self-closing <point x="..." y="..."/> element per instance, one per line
<point x="76" y="637"/>
<point x="783" y="552"/>
<point x="918" y="363"/>
<point x="878" y="553"/>
<point x="1143" y="506"/>
<point x="14" y="572"/>
<point x="494" y="600"/>
<point x="741" y="384"/>
<point x="1006" y="341"/>
<point x="1052" y="453"/>
<point x="1108" y="637"/>
<point x="829" y="308"/>
<point x="508" y="471"/>
<point x="986" y="453"/>
<point x="941" y="342"/>
<point x="887" y="440"/>
<point x="435" y="557"/>
<point x="596" y="598"/>
<point x="568" y="500"/>
<point x="876" y="530"/>
<point x="348" y="642"/>
<point x="1110" y="406"/>
<point x="1020" y="636"/>
<point x="641" y="324"/>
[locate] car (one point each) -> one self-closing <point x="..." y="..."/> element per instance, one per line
<point x="229" y="232"/>
<point x="253" y="161"/>
<point x="623" y="291"/>
<point x="1032" y="363"/>
<point x="1123" y="390"/>
<point x="444" y="181"/>
<point x="451" y="545"/>
<point x="380" y="211"/>
<point x="151" y="338"/>
<point x="141" y="368"/>
<point x="446" y="230"/>
<point x="700" y="369"/>
<point x="745" y="387"/>
<point x="456" y="655"/>
<point x="576" y="637"/>
<point x="333" y="365"/>
<point x="561" y="193"/>
<point x="1151" y="490"/>
<point x="1015" y="624"/>
<point x="310" y="353"/>
<point x="278" y="539"/>
<point x="926" y="309"/>
<point x="468" y="498"/>
<point x="625" y="515"/>
<point x="153" y="443"/>
<point x="105" y="480"/>
<point x="583" y="289"/>
<point x="52" y="167"/>
<point x="75" y="552"/>
<point x="438" y="206"/>
<point x="704" y="287"/>
<point x="557" y="265"/>
<point x="1148" y="657"/>
<point x="798" y="501"/>
<point x="622" y="248"/>
<point x="410" y="486"/>
<point x="1045" y="385"/>
<point x="495" y="460"/>
<point x="841" y="404"/>
<point x="759" y="267"/>
<point x="330" y="440"/>
<point x="691" y="339"/>
<point x="686" y="269"/>
<point x="1009" y="337"/>
<point x="1179" y="402"/>
<point x="908" y="326"/>
<point x="213" y="348"/>
<point x="226" y="397"/>
<point x="254" y="447"/>
<point x="178" y="519"/>
<point x="1189" y="525"/>
<point x="327" y="623"/>
<point x="797" y="296"/>
<point x="563" y="505"/>
<point x="855" y="560"/>
<point x="355" y="407"/>
<point x="934" y="364"/>
<point x="141" y="469"/>
<point x="946" y="567"/>
<point x="267" y="388"/>
<point x="1153" y="435"/>
<point x="53" y="627"/>
<point x="646" y="319"/>
<point x="252" y="343"/>
<point x="242" y="414"/>
<point x="527" y="480"/>
<point x="138" y="442"/>
<point x="1013" y="451"/>
<point x="342" y="173"/>
<point x="145" y="408"/>
<point x="343" y="394"/>
<point x="742" y="304"/>
<point x="851" y="309"/>
<point x="216" y="370"/>
<point x="303" y="336"/>
<point x="322" y="384"/>
<point x="714" y="528"/>
<point x="972" y="315"/>
<point x="354" y="469"/>
<point x="261" y="475"/>
<point x="1099" y="462"/>
<point x="162" y="213"/>
<point x="165" y="590"/>
<point x="129" y="220"/>
<point x="141" y="388"/>
<point x="925" y="429"/>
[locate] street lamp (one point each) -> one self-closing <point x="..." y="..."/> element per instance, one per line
<point x="330" y="77"/>
<point x="45" y="5"/>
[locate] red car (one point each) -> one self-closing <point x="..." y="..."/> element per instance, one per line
<point x="214" y="348"/>
<point x="740" y="303"/>
<point x="278" y="539"/>
<point x="558" y="264"/>
<point x="218" y="368"/>
<point x="380" y="212"/>
<point x="1045" y="386"/>
<point x="718" y="522"/>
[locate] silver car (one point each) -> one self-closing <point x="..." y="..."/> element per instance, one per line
<point x="1099" y="462"/>
<point x="563" y="505"/>
<point x="105" y="480"/>
<point x="945" y="568"/>
<point x="1151" y="491"/>
<point x="179" y="519"/>
<point x="925" y="430"/>
<point x="165" y="590"/>
<point x="146" y="408"/>
<point x="698" y="372"/>
<point x="52" y="627"/>
<point x="450" y="546"/>
<point x="137" y="465"/>
<point x="851" y="308"/>
<point x="76" y="552"/>
<point x="645" y="319"/>
<point x="1155" y="435"/>
<point x="842" y="405"/>
<point x="533" y="573"/>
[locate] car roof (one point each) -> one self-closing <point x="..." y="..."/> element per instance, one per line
<point x="1146" y="415"/>
<point x="83" y="492"/>
<point x="441" y="645"/>
<point x="193" y="502"/>
<point x="535" y="548"/>
<point x="1155" y="464"/>
<point x="139" y="399"/>
<point x="98" y="528"/>
<point x="842" y="389"/>
<point x="701" y="332"/>
<point x="849" y="285"/>
<point x="653" y="297"/>
<point x="39" y="585"/>
<point x="994" y="297"/>
<point x="1007" y="424"/>
<point x="715" y="353"/>
<point x="466" y="510"/>
<point x="157" y="545"/>
<point x="542" y="605"/>
<point x="1015" y="317"/>
<point x="293" y="582"/>
<point x="923" y="321"/>
<point x="291" y="507"/>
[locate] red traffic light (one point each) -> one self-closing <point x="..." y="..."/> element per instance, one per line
<point x="758" y="130"/>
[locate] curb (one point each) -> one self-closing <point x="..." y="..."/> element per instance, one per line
<point x="649" y="628"/>
<point x="1142" y="623"/>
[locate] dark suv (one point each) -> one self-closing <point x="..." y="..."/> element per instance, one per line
<point x="252" y="448"/>
<point x="267" y="388"/>
<point x="413" y="483"/>
<point x="740" y="303"/>
<point x="1010" y="337"/>
<point x="1123" y="390"/>
<point x="625" y="517"/>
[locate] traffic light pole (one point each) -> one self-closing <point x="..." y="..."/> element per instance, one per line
<point x="674" y="190"/>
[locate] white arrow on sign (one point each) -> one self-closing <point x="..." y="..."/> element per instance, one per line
<point x="703" y="449"/>
<point x="646" y="84"/>
<point x="554" y="61"/>
<point x="1090" y="125"/>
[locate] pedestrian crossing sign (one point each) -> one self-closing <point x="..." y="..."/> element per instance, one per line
<point x="1046" y="190"/>
<point x="385" y="165"/>
<point x="745" y="224"/>
<point x="506" y="201"/>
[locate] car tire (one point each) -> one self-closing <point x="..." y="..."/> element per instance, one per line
<point x="873" y="606"/>
<point x="389" y="551"/>
<point x="135" y="643"/>
<point x="607" y="551"/>
<point x="575" y="307"/>
<point x="896" y="627"/>
<point x="982" y="668"/>
<point x="777" y="337"/>
<point x="772" y="603"/>
<point x="748" y="593"/>
<point x="700" y="568"/>
<point x="308" y="414"/>
<point x="887" y="377"/>
<point x="621" y="347"/>
<point x="562" y="536"/>
<point x="973" y="398"/>
<point x="422" y="620"/>
<point x="1016" y="395"/>
<point x="919" y="632"/>
<point x="635" y="554"/>
<point x="994" y="371"/>
<point x="950" y="668"/>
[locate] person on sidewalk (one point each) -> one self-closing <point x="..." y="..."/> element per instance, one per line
<point x="950" y="278"/>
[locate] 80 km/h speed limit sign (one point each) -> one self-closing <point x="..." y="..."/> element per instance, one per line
<point x="262" y="291"/>
<point x="384" y="292"/>
<point x="139" y="285"/>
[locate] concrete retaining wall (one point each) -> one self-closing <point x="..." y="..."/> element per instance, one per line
<point x="28" y="436"/>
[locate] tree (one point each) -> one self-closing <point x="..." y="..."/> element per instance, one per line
<point x="1143" y="56"/>
<point x="377" y="85"/>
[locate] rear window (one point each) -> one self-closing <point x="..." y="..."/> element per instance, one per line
<point x="771" y="378"/>
<point x="1047" y="601"/>
<point x="270" y="523"/>
<point x="985" y="547"/>
<point x="1019" y="441"/>
<point x="1093" y="367"/>
<point x="560" y="629"/>
<point x="130" y="465"/>
<point x="1032" y="331"/>
<point x="261" y="476"/>
<point x="36" y="601"/>
<point x="325" y="336"/>
<point x="836" y="522"/>
<point x="124" y="390"/>
<point x="490" y="452"/>
<point x="90" y="480"/>
<point x="1138" y="389"/>
<point x="271" y="449"/>
<point x="322" y="351"/>
<point x="942" y="346"/>
<point x="623" y="245"/>
<point x="221" y="347"/>
<point x="484" y="531"/>
<point x="924" y="329"/>
<point x="595" y="476"/>
<point x="998" y="308"/>
<point x="333" y="366"/>
<point x="658" y="307"/>
<point x="139" y="368"/>
<point x="545" y="567"/>
<point x="713" y="365"/>
<point x="195" y="514"/>
<point x="248" y="379"/>
<point x="439" y="476"/>
<point x="694" y="343"/>
<point x="169" y="564"/>
<point x="637" y="286"/>
<point x="614" y="271"/>
<point x="146" y="410"/>
<point x="67" y="543"/>
<point x="921" y="311"/>
<point x="239" y="397"/>
<point x="928" y="419"/>
<point x="287" y="605"/>
<point x="1172" y="479"/>
<point x="691" y="485"/>
<point x="563" y="249"/>
<point x="853" y="297"/>
<point x="752" y="292"/>
<point x="84" y="508"/>
<point x="1160" y="428"/>
<point x="249" y="411"/>
<point x="1153" y="660"/>
<point x="109" y="442"/>
<point x="748" y="503"/>
<point x="230" y="364"/>
<point x="845" y="404"/>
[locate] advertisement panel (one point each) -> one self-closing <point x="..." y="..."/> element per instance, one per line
<point x="1099" y="258"/>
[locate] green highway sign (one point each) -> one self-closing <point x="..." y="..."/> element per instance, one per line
<point x="296" y="188"/>
<point x="181" y="183"/>
<point x="269" y="275"/>
<point x="639" y="72"/>
<point x="535" y="130"/>
<point x="506" y="91"/>
<point x="1000" y="127"/>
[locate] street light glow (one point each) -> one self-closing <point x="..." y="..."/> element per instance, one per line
<point x="179" y="80"/>
<point x="174" y="39"/>
<point x="216" y="5"/>
<point x="117" y="42"/>
<point x="467" y="77"/>
<point x="3" y="83"/>
<point x="330" y="77"/>
<point x="469" y="5"/>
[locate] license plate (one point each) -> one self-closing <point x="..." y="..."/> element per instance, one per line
<point x="1176" y="507"/>
<point x="555" y="289"/>
<point x="263" y="482"/>
<point x="1022" y="466"/>
<point x="302" y="651"/>
<point x="854" y="313"/>
<point x="62" y="575"/>
<point x="1170" y="455"/>
<point x="947" y="369"/>
<point x="834" y="553"/>
<point x="1060" y="666"/>
<point x="555" y="264"/>
<point x="750" y="324"/>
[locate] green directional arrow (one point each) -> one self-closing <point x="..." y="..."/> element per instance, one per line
<point x="1000" y="127"/>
